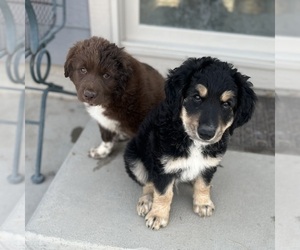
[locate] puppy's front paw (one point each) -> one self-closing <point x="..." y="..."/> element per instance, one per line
<point x="144" y="205"/>
<point x="204" y="210"/>
<point x="156" y="221"/>
<point x="102" y="151"/>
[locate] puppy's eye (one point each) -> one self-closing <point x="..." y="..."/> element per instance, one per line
<point x="197" y="98"/>
<point x="226" y="105"/>
<point x="106" y="76"/>
<point x="83" y="70"/>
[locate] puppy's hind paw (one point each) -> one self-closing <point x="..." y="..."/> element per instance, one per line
<point x="144" y="205"/>
<point x="122" y="137"/>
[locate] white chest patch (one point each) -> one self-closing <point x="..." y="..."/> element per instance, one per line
<point x="191" y="166"/>
<point x="97" y="112"/>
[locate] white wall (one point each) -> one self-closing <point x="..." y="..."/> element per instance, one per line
<point x="77" y="28"/>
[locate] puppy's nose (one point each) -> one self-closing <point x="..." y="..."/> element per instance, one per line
<point x="206" y="132"/>
<point x="89" y="95"/>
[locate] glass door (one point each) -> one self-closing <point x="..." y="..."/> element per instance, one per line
<point x="250" y="17"/>
<point x="239" y="31"/>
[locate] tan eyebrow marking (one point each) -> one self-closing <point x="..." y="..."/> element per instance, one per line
<point x="226" y="95"/>
<point x="202" y="90"/>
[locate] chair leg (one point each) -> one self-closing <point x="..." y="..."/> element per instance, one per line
<point x="38" y="178"/>
<point x="15" y="177"/>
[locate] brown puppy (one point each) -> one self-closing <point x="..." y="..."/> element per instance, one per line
<point x="117" y="89"/>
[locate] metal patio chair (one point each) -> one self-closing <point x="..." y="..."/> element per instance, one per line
<point x="44" y="18"/>
<point x="12" y="33"/>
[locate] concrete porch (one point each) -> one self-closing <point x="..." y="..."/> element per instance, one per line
<point x="91" y="205"/>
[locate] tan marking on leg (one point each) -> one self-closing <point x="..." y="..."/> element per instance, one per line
<point x="202" y="203"/>
<point x="145" y="201"/>
<point x="202" y="90"/>
<point x="228" y="94"/>
<point x="159" y="214"/>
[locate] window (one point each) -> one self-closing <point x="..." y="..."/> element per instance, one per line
<point x="253" y="17"/>
<point x="193" y="27"/>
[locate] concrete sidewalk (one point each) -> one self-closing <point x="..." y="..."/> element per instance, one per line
<point x="92" y="205"/>
<point x="65" y="119"/>
<point x="9" y="193"/>
<point x="12" y="231"/>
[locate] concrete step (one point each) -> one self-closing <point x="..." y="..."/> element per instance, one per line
<point x="287" y="201"/>
<point x="92" y="205"/>
<point x="12" y="231"/>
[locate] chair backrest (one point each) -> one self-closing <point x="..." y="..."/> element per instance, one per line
<point x="12" y="37"/>
<point x="12" y="30"/>
<point x="44" y="18"/>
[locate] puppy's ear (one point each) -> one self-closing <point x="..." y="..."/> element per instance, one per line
<point x="67" y="68"/>
<point x="125" y="70"/>
<point x="68" y="63"/>
<point x="246" y="99"/>
<point x="179" y="79"/>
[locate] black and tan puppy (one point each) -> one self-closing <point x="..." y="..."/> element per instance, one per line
<point x="185" y="138"/>
<point x="117" y="90"/>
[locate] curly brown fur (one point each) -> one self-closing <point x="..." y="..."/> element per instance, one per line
<point x="117" y="89"/>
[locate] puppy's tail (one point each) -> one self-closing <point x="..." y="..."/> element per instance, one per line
<point x="133" y="164"/>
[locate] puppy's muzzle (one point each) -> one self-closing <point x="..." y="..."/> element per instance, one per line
<point x="206" y="132"/>
<point x="89" y="95"/>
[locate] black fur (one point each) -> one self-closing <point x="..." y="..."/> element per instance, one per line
<point x="208" y="174"/>
<point x="163" y="135"/>
<point x="246" y="99"/>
